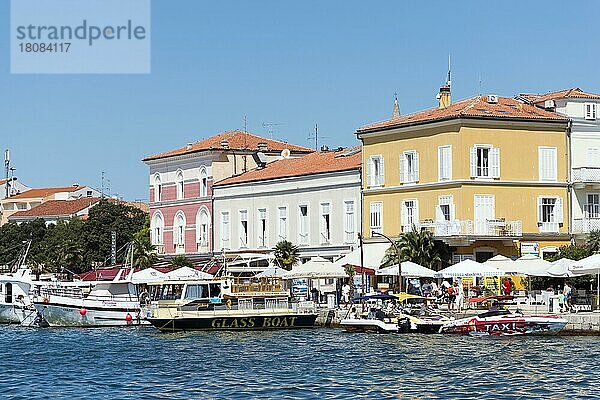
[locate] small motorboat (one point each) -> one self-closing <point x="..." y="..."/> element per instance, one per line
<point x="505" y="323"/>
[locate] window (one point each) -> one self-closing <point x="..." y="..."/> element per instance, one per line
<point x="179" y="183"/>
<point x="445" y="211"/>
<point x="303" y="232"/>
<point x="202" y="227"/>
<point x="262" y="227"/>
<point x="376" y="210"/>
<point x="282" y="227"/>
<point x="244" y="228"/>
<point x="225" y="230"/>
<point x="409" y="167"/>
<point x="349" y="222"/>
<point x="409" y="215"/>
<point x="88" y="193"/>
<point x="485" y="162"/>
<point x="592" y="207"/>
<point x="157" y="188"/>
<point x="325" y="222"/>
<point x="547" y="163"/>
<point x="550" y="213"/>
<point x="157" y="229"/>
<point x="445" y="163"/>
<point x="179" y="232"/>
<point x="590" y="110"/>
<point x="203" y="182"/>
<point x="375" y="173"/>
<point x="485" y="210"/>
<point x="593" y="157"/>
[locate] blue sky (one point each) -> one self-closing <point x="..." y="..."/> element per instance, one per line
<point x="335" y="63"/>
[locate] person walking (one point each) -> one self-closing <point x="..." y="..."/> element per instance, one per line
<point x="460" y="296"/>
<point x="451" y="292"/>
<point x="567" y="295"/>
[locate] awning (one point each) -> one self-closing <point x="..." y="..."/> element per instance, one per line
<point x="315" y="268"/>
<point x="409" y="270"/>
<point x="372" y="255"/>
<point x="468" y="268"/>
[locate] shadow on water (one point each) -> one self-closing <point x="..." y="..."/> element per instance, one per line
<point x="140" y="362"/>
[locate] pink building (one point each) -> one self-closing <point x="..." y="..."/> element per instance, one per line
<point x="181" y="198"/>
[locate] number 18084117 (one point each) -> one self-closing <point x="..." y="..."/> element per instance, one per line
<point x="44" y="47"/>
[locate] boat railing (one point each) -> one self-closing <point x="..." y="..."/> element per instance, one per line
<point x="78" y="293"/>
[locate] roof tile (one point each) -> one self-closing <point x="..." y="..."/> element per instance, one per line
<point x="58" y="208"/>
<point x="44" y="192"/>
<point x="561" y="94"/>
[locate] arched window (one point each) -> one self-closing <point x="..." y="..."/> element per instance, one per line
<point x="203" y="182"/>
<point x="202" y="229"/>
<point x="179" y="181"/>
<point x="179" y="232"/>
<point x="157" y="226"/>
<point x="157" y="188"/>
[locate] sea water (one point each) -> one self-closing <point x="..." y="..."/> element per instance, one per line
<point x="141" y="363"/>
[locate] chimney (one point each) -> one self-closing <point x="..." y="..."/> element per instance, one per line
<point x="396" y="110"/>
<point x="225" y="144"/>
<point x="444" y="97"/>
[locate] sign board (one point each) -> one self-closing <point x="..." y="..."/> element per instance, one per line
<point x="532" y="248"/>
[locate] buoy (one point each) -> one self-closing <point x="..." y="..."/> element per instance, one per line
<point x="128" y="317"/>
<point x="46" y="300"/>
<point x="83" y="311"/>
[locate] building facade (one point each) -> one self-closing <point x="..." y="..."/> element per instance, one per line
<point x="53" y="211"/>
<point x="584" y="149"/>
<point x="487" y="175"/>
<point x="181" y="186"/>
<point x="312" y="201"/>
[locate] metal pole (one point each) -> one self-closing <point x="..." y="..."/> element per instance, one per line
<point x="397" y="255"/>
<point x="362" y="269"/>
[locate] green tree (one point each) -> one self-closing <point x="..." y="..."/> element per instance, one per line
<point x="181" y="261"/>
<point x="574" y="252"/>
<point x="144" y="252"/>
<point x="593" y="241"/>
<point x="420" y="247"/>
<point x="70" y="256"/>
<point x="287" y="254"/>
<point x="351" y="272"/>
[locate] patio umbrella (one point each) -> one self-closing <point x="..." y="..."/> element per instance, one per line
<point x="316" y="268"/>
<point x="272" y="272"/>
<point x="531" y="265"/>
<point x="468" y="268"/>
<point x="501" y="262"/>
<point x="409" y="270"/>
<point x="589" y="266"/>
<point x="187" y="273"/>
<point x="147" y="275"/>
<point x="561" y="268"/>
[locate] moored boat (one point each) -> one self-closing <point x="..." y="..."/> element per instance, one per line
<point x="225" y="304"/>
<point x="505" y="323"/>
<point x="15" y="303"/>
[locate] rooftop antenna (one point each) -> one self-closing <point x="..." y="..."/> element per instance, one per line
<point x="245" y="156"/>
<point x="269" y="126"/>
<point x="7" y="168"/>
<point x="449" y="81"/>
<point x="480" y="83"/>
<point x="102" y="187"/>
<point x="316" y="136"/>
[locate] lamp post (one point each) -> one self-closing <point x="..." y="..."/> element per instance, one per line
<point x="397" y="257"/>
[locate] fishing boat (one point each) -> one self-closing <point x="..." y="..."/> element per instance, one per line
<point x="15" y="303"/>
<point x="110" y="303"/>
<point x="502" y="322"/>
<point x="235" y="304"/>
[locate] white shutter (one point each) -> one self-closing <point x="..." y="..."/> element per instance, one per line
<point x="402" y="169"/>
<point x="448" y="163"/>
<point x="542" y="164"/>
<point x="416" y="212"/>
<point x="539" y="210"/>
<point x="381" y="172"/>
<point x="495" y="161"/>
<point x="473" y="162"/>
<point x="403" y="215"/>
<point x="439" y="215"/>
<point x="370" y="172"/>
<point x="416" y="166"/>
<point x="558" y="210"/>
<point x="452" y="211"/>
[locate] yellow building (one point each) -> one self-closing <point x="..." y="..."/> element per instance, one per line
<point x="487" y="175"/>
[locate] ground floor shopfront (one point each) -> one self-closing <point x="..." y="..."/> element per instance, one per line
<point x="482" y="250"/>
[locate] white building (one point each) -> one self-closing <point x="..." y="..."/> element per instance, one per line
<point x="584" y="148"/>
<point x="312" y="201"/>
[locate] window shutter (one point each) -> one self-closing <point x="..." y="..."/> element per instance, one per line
<point x="558" y="210"/>
<point x="541" y="164"/>
<point x="452" y="212"/>
<point x="441" y="164"/>
<point x="553" y="167"/>
<point x="473" y="162"/>
<point x="539" y="210"/>
<point x="402" y="171"/>
<point x="439" y="215"/>
<point x="448" y="163"/>
<point x="403" y="215"/>
<point x="416" y="212"/>
<point x="416" y="163"/>
<point x="370" y="172"/>
<point x="381" y="171"/>
<point x="495" y="161"/>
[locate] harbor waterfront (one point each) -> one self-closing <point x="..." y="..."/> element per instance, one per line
<point x="140" y="362"/>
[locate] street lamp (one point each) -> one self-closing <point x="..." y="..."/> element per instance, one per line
<point x="397" y="255"/>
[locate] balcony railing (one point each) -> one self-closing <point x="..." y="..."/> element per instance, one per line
<point x="586" y="174"/>
<point x="586" y="225"/>
<point x="495" y="228"/>
<point x="549" y="227"/>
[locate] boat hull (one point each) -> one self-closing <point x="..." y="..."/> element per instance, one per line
<point x="10" y="314"/>
<point x="368" y="326"/>
<point x="57" y="315"/>
<point x="234" y="323"/>
<point x="509" y="325"/>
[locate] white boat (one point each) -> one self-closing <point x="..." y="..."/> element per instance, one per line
<point x="371" y="325"/>
<point x="110" y="303"/>
<point x="15" y="303"/>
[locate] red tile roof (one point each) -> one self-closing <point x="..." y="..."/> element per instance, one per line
<point x="45" y="192"/>
<point x="53" y="208"/>
<point x="314" y="163"/>
<point x="3" y="181"/>
<point x="475" y="107"/>
<point x="561" y="94"/>
<point x="237" y="140"/>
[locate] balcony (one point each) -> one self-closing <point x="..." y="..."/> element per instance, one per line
<point x="490" y="228"/>
<point x="586" y="225"/>
<point x="583" y="176"/>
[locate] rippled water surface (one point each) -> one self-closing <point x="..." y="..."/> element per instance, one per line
<point x="140" y="363"/>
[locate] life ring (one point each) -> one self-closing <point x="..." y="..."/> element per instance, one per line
<point x="228" y="304"/>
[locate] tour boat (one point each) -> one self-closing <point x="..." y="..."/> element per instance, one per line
<point x="505" y="323"/>
<point x="15" y="303"/>
<point x="236" y="304"/>
<point x="110" y="303"/>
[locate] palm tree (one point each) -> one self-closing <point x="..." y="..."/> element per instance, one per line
<point x="144" y="252"/>
<point x="70" y="255"/>
<point x="593" y="241"/>
<point x="351" y="272"/>
<point x="181" y="261"/>
<point x="287" y="254"/>
<point x="419" y="247"/>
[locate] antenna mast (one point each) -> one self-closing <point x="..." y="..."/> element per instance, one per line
<point x="449" y="81"/>
<point x="7" y="167"/>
